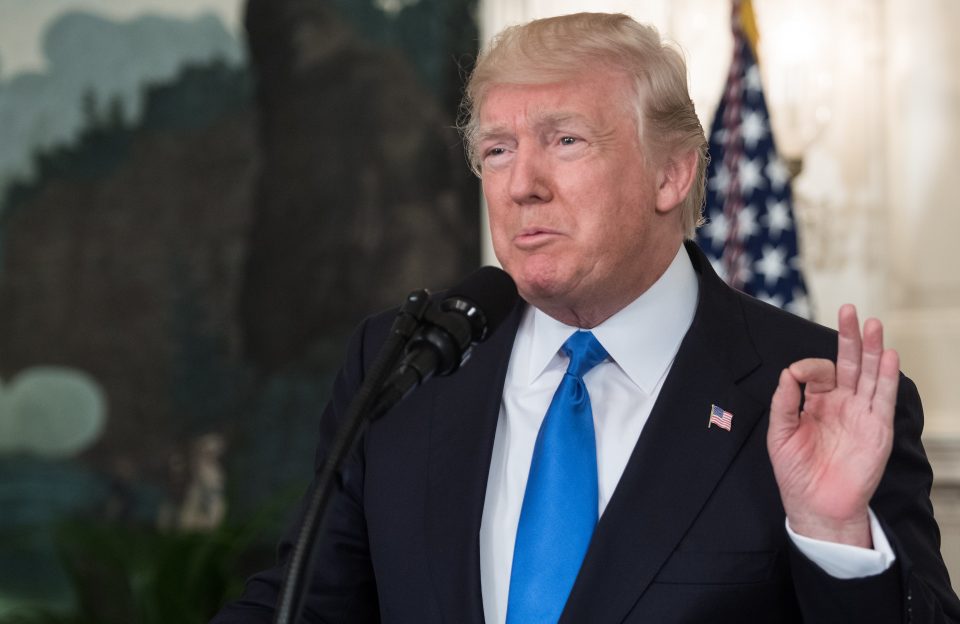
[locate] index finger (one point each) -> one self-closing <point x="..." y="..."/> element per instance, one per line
<point x="849" y="348"/>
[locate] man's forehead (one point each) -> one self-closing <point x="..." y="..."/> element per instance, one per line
<point x="574" y="95"/>
<point x="537" y="114"/>
<point x="583" y="102"/>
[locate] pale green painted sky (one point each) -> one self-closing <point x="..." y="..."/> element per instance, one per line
<point x="22" y="22"/>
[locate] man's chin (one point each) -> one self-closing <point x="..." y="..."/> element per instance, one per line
<point x="543" y="293"/>
<point x="543" y="281"/>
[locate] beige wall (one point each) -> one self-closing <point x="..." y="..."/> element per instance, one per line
<point x="867" y="92"/>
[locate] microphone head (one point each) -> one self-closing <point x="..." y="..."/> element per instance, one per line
<point x="485" y="297"/>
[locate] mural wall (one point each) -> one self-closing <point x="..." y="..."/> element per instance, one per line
<point x="193" y="215"/>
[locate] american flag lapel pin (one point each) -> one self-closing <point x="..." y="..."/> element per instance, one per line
<point x="720" y="418"/>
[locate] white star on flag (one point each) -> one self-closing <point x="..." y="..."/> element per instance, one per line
<point x="717" y="228"/>
<point x="754" y="128"/>
<point x="751" y="176"/>
<point x="720" y="182"/>
<point x="777" y="218"/>
<point x="773" y="264"/>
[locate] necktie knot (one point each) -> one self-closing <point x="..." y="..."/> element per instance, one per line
<point x="584" y="351"/>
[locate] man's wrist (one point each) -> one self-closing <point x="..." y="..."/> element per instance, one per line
<point x="855" y="532"/>
<point x="844" y="561"/>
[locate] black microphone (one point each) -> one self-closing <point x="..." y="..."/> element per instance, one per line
<point x="467" y="315"/>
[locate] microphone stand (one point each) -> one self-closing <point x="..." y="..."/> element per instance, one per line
<point x="432" y="340"/>
<point x="362" y="409"/>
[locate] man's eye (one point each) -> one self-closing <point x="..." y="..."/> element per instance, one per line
<point x="495" y="151"/>
<point x="567" y="140"/>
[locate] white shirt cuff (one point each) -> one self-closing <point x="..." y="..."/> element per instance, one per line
<point x="843" y="561"/>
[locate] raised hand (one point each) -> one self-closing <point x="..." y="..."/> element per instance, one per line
<point x="828" y="458"/>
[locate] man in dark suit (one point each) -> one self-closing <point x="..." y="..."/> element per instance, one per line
<point x="712" y="493"/>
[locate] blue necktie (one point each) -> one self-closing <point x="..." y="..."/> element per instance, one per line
<point x="559" y="509"/>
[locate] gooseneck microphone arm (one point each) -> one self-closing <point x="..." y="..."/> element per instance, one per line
<point x="406" y="323"/>
<point x="431" y="340"/>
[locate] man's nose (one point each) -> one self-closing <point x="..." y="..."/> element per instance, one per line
<point x="529" y="177"/>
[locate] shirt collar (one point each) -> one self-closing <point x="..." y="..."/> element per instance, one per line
<point x="642" y="338"/>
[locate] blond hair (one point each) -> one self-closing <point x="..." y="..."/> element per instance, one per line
<point x="557" y="48"/>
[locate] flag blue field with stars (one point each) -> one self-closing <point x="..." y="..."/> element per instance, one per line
<point x="750" y="233"/>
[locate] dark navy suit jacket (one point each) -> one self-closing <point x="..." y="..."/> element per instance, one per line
<point x="693" y="533"/>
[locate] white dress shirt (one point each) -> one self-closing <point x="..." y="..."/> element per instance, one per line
<point x="642" y="341"/>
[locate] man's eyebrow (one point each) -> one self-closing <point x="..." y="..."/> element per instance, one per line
<point x="555" y="119"/>
<point x="492" y="132"/>
<point x="547" y="120"/>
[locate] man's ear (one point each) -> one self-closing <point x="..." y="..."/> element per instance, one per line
<point x="674" y="180"/>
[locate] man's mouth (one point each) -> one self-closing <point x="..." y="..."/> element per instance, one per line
<point x="534" y="236"/>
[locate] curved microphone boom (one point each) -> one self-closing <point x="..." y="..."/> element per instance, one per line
<point x="438" y="340"/>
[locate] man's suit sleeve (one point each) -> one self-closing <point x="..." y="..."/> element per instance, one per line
<point x="342" y="588"/>
<point x="916" y="588"/>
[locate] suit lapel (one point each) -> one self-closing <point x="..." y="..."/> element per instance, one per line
<point x="462" y="428"/>
<point x="677" y="462"/>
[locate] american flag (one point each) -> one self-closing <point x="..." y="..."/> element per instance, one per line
<point x="750" y="235"/>
<point x="720" y="418"/>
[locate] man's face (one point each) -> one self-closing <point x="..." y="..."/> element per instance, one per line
<point x="572" y="200"/>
